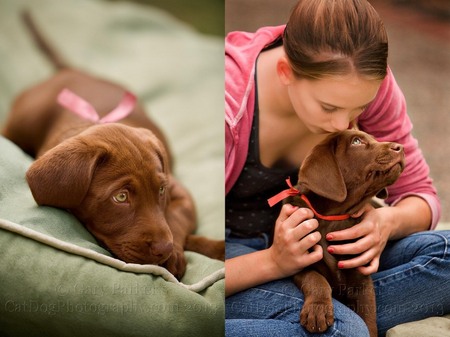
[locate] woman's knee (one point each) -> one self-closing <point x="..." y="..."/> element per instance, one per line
<point x="433" y="243"/>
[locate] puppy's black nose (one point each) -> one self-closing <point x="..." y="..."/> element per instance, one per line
<point x="161" y="249"/>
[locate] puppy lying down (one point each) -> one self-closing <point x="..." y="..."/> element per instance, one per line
<point x="100" y="157"/>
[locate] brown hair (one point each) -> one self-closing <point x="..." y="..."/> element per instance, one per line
<point x="336" y="37"/>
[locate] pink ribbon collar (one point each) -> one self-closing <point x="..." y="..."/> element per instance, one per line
<point x="292" y="191"/>
<point x="80" y="107"/>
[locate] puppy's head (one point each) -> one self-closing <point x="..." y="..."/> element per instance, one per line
<point x="350" y="167"/>
<point x="115" y="180"/>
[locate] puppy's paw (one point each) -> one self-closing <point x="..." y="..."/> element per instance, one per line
<point x="176" y="264"/>
<point x="317" y="317"/>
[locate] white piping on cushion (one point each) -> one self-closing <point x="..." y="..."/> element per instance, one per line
<point x="109" y="261"/>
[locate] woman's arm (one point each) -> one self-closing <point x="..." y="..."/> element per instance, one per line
<point x="288" y="254"/>
<point x="410" y="215"/>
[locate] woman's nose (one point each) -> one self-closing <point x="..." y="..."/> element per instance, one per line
<point x="340" y="121"/>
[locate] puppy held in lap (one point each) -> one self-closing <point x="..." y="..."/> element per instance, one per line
<point x="336" y="180"/>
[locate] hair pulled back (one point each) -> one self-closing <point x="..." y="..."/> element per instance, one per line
<point x="336" y="37"/>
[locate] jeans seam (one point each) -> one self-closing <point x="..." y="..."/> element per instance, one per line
<point x="446" y="245"/>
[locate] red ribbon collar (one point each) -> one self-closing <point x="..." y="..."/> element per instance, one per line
<point x="80" y="107"/>
<point x="292" y="191"/>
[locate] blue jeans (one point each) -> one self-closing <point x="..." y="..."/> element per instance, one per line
<point x="413" y="282"/>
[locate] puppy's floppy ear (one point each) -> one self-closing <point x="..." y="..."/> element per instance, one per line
<point x="320" y="174"/>
<point x="62" y="176"/>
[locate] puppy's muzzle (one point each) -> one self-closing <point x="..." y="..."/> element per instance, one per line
<point x="161" y="251"/>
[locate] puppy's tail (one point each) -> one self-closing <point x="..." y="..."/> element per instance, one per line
<point x="57" y="61"/>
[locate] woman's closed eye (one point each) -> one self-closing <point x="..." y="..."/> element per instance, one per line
<point x="329" y="109"/>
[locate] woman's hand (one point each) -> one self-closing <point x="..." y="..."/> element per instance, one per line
<point x="409" y="215"/>
<point x="294" y="236"/>
<point x="371" y="236"/>
<point x="288" y="254"/>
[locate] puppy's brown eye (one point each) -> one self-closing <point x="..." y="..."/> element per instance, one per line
<point x="356" y="141"/>
<point x="162" y="189"/>
<point x="121" y="197"/>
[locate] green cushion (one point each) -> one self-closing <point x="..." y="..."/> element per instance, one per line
<point x="55" y="279"/>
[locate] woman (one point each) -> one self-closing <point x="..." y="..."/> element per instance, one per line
<point x="287" y="88"/>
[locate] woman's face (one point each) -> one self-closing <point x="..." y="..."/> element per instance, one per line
<point x="330" y="104"/>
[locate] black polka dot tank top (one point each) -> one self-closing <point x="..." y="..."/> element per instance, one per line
<point x="247" y="212"/>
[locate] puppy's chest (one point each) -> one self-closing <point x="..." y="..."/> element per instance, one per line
<point x="328" y="265"/>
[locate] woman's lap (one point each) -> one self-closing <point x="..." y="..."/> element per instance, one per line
<point x="273" y="309"/>
<point x="412" y="284"/>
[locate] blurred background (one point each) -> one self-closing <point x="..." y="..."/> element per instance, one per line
<point x="207" y="16"/>
<point x="419" y="56"/>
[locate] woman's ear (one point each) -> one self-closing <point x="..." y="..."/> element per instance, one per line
<point x="284" y="71"/>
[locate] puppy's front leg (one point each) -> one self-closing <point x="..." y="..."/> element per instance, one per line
<point x="181" y="217"/>
<point x="317" y="312"/>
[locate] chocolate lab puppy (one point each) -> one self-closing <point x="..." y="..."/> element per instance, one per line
<point x="114" y="177"/>
<point x="337" y="179"/>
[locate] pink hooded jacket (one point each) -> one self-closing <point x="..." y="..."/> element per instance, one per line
<point x="386" y="119"/>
